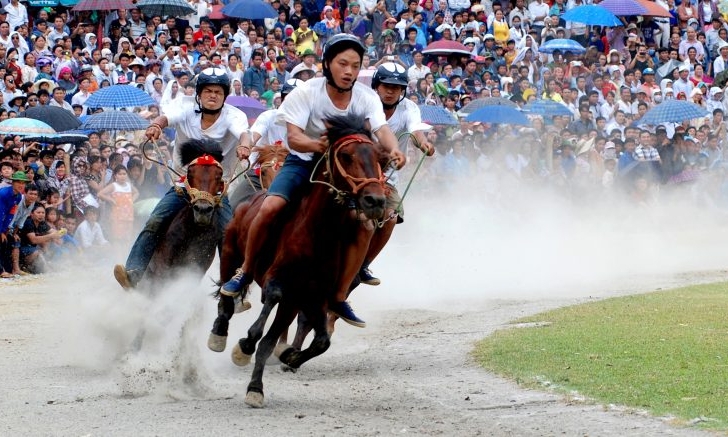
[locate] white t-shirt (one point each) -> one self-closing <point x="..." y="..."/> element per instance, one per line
<point x="226" y="130"/>
<point x="406" y="118"/>
<point x="270" y="132"/>
<point x="309" y="105"/>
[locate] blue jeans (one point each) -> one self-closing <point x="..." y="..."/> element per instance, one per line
<point x="160" y="219"/>
<point x="291" y="178"/>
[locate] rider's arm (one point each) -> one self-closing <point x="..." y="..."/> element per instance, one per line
<point x="154" y="131"/>
<point x="387" y="139"/>
<point x="300" y="142"/>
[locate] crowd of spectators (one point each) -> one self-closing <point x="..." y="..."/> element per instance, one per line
<point x="57" y="201"/>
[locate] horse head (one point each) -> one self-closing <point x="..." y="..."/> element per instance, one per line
<point x="204" y="184"/>
<point x="355" y="164"/>
<point x="270" y="160"/>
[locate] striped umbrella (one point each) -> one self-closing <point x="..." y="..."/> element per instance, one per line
<point x="634" y="7"/>
<point x="437" y="116"/>
<point x="487" y="101"/>
<point x="103" y="5"/>
<point x="24" y="127"/>
<point x="163" y="8"/>
<point x="672" y="111"/>
<point x="119" y="96"/>
<point x="116" y="120"/>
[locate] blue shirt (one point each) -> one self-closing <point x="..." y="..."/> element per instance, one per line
<point x="8" y="205"/>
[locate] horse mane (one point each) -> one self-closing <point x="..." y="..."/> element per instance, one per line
<point x="192" y="149"/>
<point x="340" y="126"/>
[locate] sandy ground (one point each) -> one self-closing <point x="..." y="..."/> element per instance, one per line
<point x="72" y="363"/>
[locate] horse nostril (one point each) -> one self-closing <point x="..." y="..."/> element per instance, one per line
<point x="370" y="201"/>
<point x="203" y="208"/>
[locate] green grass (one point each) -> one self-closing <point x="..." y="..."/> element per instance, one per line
<point x="664" y="352"/>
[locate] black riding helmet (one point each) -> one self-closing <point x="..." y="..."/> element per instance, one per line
<point x="337" y="44"/>
<point x="393" y="74"/>
<point x="211" y="76"/>
<point x="289" y="86"/>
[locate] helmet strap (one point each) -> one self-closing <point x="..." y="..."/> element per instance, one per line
<point x="331" y="82"/>
<point x="402" y="96"/>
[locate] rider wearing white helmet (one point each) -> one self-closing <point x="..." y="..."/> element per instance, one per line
<point x="211" y="120"/>
<point x="304" y="112"/>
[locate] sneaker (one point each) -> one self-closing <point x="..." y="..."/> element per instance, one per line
<point x="366" y="277"/>
<point x="236" y="284"/>
<point x="344" y="312"/>
<point x="123" y="277"/>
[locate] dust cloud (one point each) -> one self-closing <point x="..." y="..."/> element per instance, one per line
<point x="454" y="248"/>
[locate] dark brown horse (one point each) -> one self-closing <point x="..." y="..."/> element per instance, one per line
<point x="192" y="236"/>
<point x="300" y="270"/>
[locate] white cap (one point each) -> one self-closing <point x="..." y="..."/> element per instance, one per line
<point x="488" y="36"/>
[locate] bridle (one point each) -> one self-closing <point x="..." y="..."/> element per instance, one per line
<point x="196" y="195"/>
<point x="274" y="163"/>
<point x="356" y="183"/>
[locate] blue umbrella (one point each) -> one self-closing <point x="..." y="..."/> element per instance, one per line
<point x="498" y="114"/>
<point x="116" y="120"/>
<point x="437" y="115"/>
<point x="250" y="9"/>
<point x="672" y="111"/>
<point x="119" y="96"/>
<point x="547" y="108"/>
<point x="593" y="15"/>
<point x="563" y="45"/>
<point x="24" y="127"/>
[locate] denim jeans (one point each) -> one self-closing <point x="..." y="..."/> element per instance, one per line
<point x="160" y="219"/>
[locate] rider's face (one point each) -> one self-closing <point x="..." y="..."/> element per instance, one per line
<point x="212" y="96"/>
<point x="345" y="68"/>
<point x="389" y="94"/>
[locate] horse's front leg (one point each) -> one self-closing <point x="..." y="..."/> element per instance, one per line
<point x="294" y="358"/>
<point x="284" y="317"/>
<point x="244" y="349"/>
<point x="218" y="336"/>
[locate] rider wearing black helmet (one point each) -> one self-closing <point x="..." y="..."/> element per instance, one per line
<point x="303" y="113"/>
<point x="211" y="119"/>
<point x="390" y="83"/>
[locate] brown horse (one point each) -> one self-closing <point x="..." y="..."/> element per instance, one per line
<point x="270" y="159"/>
<point x="192" y="236"/>
<point x="302" y="267"/>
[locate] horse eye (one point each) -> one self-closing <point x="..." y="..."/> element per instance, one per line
<point x="347" y="158"/>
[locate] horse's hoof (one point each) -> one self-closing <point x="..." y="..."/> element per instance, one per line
<point x="216" y="343"/>
<point x="254" y="399"/>
<point x="280" y="348"/>
<point x="242" y="305"/>
<point x="286" y="368"/>
<point x="239" y="357"/>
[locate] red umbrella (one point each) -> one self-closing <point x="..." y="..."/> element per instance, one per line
<point x="445" y="47"/>
<point x="103" y="5"/>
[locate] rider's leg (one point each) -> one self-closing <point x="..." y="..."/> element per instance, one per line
<point x="291" y="177"/>
<point x="382" y="235"/>
<point x="224" y="215"/>
<point x="141" y="253"/>
<point x="353" y="259"/>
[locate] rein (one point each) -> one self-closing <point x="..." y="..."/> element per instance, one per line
<point x="194" y="194"/>
<point x="355" y="183"/>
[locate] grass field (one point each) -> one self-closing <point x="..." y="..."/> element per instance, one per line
<point x="665" y="352"/>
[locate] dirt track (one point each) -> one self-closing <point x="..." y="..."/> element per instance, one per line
<point x="408" y="373"/>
